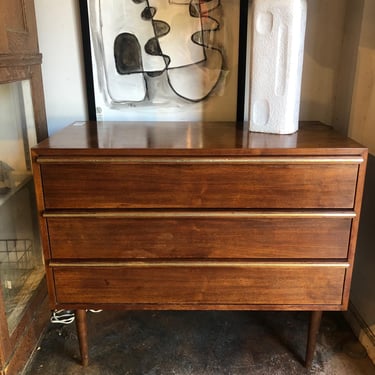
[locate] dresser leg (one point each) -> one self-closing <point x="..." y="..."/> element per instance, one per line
<point x="81" y="323"/>
<point x="315" y="319"/>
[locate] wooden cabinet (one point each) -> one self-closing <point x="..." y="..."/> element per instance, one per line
<point x="20" y="59"/>
<point x="23" y="293"/>
<point x="198" y="216"/>
<point x="18" y="33"/>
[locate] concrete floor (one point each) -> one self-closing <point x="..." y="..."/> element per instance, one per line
<point x="200" y="343"/>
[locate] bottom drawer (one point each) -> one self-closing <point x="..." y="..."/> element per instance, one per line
<point x="200" y="283"/>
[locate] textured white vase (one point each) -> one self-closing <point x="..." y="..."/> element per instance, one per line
<point x="278" y="35"/>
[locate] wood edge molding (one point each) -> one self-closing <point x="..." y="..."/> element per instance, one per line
<point x="198" y="306"/>
<point x="203" y="160"/>
<point x="14" y="60"/>
<point x="173" y="214"/>
<point x="194" y="263"/>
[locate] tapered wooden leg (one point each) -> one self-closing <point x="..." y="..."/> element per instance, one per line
<point x="316" y="317"/>
<point x="81" y="323"/>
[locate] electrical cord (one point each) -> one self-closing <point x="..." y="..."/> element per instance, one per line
<point x="66" y="316"/>
<point x="62" y="316"/>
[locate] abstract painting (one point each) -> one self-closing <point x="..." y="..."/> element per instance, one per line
<point x="164" y="59"/>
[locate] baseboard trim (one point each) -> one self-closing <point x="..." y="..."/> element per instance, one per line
<point x="364" y="333"/>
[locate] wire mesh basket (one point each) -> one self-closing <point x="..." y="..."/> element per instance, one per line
<point x="16" y="262"/>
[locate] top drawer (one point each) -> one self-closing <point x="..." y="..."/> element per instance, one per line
<point x="200" y="183"/>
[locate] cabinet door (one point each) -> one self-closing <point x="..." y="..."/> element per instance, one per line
<point x="23" y="304"/>
<point x="21" y="266"/>
<point x="17" y="27"/>
<point x="22" y="287"/>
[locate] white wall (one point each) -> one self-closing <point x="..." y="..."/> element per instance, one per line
<point x="323" y="42"/>
<point x="363" y="109"/>
<point x="362" y="129"/>
<point x="59" y="33"/>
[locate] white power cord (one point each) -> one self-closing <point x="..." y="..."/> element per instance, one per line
<point x="62" y="316"/>
<point x="66" y="316"/>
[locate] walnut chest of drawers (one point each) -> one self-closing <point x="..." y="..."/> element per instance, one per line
<point x="198" y="216"/>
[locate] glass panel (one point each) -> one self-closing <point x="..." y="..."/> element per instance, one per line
<point x="21" y="264"/>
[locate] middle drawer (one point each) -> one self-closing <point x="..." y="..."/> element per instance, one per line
<point x="198" y="235"/>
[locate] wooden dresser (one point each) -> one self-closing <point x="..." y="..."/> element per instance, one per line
<point x="193" y="216"/>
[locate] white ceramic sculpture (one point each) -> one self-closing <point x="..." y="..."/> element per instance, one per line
<point x="278" y="34"/>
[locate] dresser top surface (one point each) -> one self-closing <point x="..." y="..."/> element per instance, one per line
<point x="192" y="138"/>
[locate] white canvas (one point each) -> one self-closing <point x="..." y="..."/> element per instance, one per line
<point x="183" y="65"/>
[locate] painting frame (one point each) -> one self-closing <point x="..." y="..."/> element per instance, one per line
<point x="239" y="27"/>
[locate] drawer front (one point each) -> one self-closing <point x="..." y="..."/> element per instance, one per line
<point x="255" y="285"/>
<point x="198" y="237"/>
<point x="199" y="185"/>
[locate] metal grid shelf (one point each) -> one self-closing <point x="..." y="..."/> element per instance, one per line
<point x="16" y="262"/>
